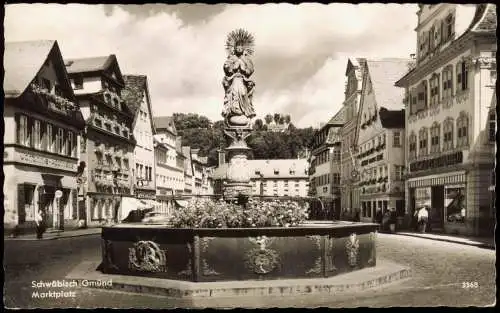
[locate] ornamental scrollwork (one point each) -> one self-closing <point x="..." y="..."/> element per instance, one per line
<point x="146" y="256"/>
<point x="261" y="260"/>
<point x="352" y="250"/>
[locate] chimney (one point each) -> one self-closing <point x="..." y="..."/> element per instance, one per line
<point x="222" y="156"/>
<point x="412" y="56"/>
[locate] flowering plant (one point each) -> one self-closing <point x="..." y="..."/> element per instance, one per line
<point x="206" y="213"/>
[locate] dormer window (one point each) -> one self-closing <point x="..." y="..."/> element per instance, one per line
<point x="292" y="172"/>
<point x="257" y="172"/>
<point x="276" y="171"/>
<point x="78" y="82"/>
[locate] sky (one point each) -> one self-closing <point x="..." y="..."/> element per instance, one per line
<point x="300" y="57"/>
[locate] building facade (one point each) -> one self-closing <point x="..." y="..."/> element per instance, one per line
<point x="325" y="167"/>
<point x="381" y="138"/>
<point x="169" y="162"/>
<point x="136" y="95"/>
<point x="42" y="123"/>
<point x="451" y="117"/>
<point x="354" y="75"/>
<point x="189" y="179"/>
<point x="272" y="178"/>
<point x="107" y="144"/>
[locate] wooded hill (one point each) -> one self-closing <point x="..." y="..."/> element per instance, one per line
<point x="199" y="132"/>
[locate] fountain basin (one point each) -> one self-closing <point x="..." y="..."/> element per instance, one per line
<point x="311" y="250"/>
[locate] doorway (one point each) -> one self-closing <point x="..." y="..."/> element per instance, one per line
<point x="436" y="215"/>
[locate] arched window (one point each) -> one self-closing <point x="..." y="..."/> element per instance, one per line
<point x="412" y="146"/>
<point x="462" y="70"/>
<point x="434" y="84"/>
<point x="492" y="126"/>
<point x="447" y="81"/>
<point x="435" y="137"/>
<point x="448" y="134"/>
<point x="423" y="135"/>
<point x="462" y="130"/>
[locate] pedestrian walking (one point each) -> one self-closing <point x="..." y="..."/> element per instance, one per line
<point x="379" y="216"/>
<point x="40" y="224"/>
<point x="392" y="220"/>
<point x="422" y="218"/>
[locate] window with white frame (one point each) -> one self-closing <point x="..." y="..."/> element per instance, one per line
<point x="422" y="141"/>
<point x="462" y="71"/>
<point x="434" y="86"/>
<point x="435" y="137"/>
<point x="448" y="134"/>
<point x="447" y="78"/>
<point x="396" y="142"/>
<point x="462" y="130"/>
<point x="398" y="172"/>
<point x="412" y="146"/>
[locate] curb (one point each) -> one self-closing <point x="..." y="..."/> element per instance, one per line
<point x="51" y="238"/>
<point x="479" y="245"/>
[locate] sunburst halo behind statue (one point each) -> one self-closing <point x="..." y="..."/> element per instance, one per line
<point x="240" y="37"/>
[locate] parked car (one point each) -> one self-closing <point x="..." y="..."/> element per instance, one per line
<point x="156" y="218"/>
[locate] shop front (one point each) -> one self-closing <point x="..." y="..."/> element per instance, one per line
<point x="31" y="189"/>
<point x="445" y="195"/>
<point x="165" y="198"/>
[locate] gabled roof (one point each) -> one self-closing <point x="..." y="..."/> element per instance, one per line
<point x="165" y="123"/>
<point x="24" y="59"/>
<point x="485" y="19"/>
<point x="392" y="119"/>
<point x="93" y="64"/>
<point x="338" y="119"/>
<point x="136" y="86"/>
<point x="383" y="73"/>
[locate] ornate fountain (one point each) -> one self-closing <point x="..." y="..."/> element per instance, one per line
<point x="203" y="254"/>
<point x="238" y="110"/>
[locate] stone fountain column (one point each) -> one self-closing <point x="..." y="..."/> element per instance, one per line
<point x="238" y="172"/>
<point x="238" y="111"/>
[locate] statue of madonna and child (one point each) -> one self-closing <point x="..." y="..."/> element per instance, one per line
<point x="238" y="108"/>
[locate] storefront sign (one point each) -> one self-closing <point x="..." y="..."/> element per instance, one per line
<point x="145" y="195"/>
<point x="36" y="159"/>
<point x="441" y="161"/>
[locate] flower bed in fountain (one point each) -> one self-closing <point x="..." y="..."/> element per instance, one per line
<point x="206" y="213"/>
<point x="216" y="241"/>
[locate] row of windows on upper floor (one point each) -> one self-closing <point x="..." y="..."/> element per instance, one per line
<point x="448" y="133"/>
<point x="324" y="157"/>
<point x="442" y="86"/>
<point x="144" y="172"/>
<point x="382" y="171"/>
<point x="44" y="136"/>
<point x="162" y="179"/>
<point x="325" y="179"/>
<point x="441" y="32"/>
<point x="381" y="140"/>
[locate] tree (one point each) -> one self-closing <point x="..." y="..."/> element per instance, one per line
<point x="268" y="119"/>
<point x="258" y="124"/>
<point x="288" y="119"/>
<point x="276" y="117"/>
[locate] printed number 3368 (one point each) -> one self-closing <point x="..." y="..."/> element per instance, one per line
<point x="470" y="284"/>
